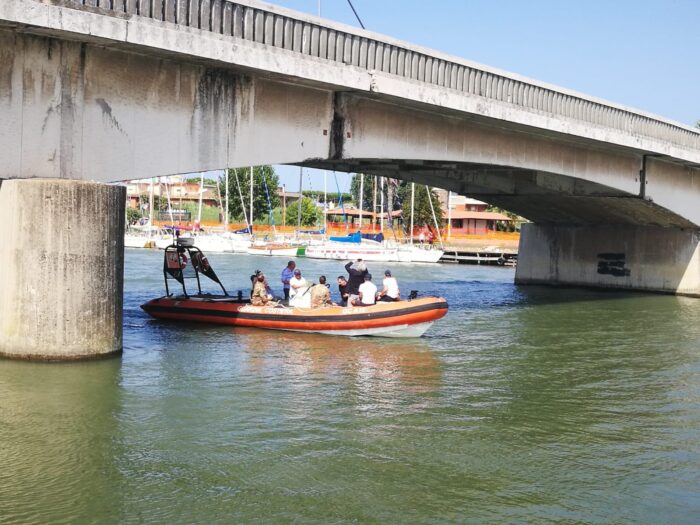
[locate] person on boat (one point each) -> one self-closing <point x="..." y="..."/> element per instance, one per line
<point x="367" y="292"/>
<point x="254" y="280"/>
<point x="343" y="290"/>
<point x="299" y="291"/>
<point x="260" y="296"/>
<point x="390" y="290"/>
<point x="287" y="275"/>
<point x="431" y="237"/>
<point x="357" y="271"/>
<point x="320" y="294"/>
<point x="421" y="237"/>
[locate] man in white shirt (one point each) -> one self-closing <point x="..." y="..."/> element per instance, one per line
<point x="367" y="292"/>
<point x="298" y="288"/>
<point x="390" y="291"/>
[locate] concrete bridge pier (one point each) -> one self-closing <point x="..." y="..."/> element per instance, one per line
<point x="61" y="269"/>
<point x="644" y="258"/>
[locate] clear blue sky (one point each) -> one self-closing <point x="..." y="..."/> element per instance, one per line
<point x="642" y="53"/>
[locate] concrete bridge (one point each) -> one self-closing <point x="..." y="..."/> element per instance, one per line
<point x="94" y="91"/>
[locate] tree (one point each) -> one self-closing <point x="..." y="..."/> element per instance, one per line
<point x="697" y="124"/>
<point x="310" y="214"/>
<point x="132" y="215"/>
<point x="262" y="176"/>
<point x="366" y="191"/>
<point x="422" y="214"/>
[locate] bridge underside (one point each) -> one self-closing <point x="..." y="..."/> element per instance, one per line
<point x="85" y="110"/>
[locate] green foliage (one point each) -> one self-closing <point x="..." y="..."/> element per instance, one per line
<point x="422" y="215"/>
<point x="132" y="215"/>
<point x="197" y="180"/>
<point x="310" y="214"/>
<point x="260" y="204"/>
<point x="317" y="195"/>
<point x="509" y="227"/>
<point x="367" y="191"/>
<point x="697" y="124"/>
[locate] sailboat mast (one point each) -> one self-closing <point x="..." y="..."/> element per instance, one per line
<point x="362" y="192"/>
<point x="226" y="210"/>
<point x="413" y="204"/>
<point x="449" y="215"/>
<point x="201" y="194"/>
<point x="150" y="209"/>
<point x="381" y="205"/>
<point x="374" y="202"/>
<point x="325" y="202"/>
<point x="251" y="200"/>
<point x="432" y="209"/>
<point x="301" y="176"/>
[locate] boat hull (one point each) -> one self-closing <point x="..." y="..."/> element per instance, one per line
<point x="400" y="319"/>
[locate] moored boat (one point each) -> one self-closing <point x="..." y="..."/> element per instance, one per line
<point x="410" y="318"/>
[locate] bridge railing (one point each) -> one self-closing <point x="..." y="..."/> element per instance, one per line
<point x="260" y="23"/>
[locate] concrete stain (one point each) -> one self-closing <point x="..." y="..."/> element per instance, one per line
<point x="107" y="113"/>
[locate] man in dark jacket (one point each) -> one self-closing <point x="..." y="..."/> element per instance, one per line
<point x="356" y="271"/>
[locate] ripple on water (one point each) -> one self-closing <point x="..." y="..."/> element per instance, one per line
<point x="523" y="404"/>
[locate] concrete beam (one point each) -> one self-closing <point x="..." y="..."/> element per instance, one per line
<point x="620" y="257"/>
<point x="61" y="274"/>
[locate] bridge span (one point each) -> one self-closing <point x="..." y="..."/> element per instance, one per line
<point x="96" y="91"/>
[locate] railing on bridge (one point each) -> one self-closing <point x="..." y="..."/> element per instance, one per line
<point x="250" y="21"/>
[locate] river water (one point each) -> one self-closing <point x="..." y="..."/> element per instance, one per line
<point x="523" y="404"/>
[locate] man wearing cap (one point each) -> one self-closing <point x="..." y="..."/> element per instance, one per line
<point x="287" y="275"/>
<point x="298" y="291"/>
<point x="390" y="291"/>
<point x="367" y="292"/>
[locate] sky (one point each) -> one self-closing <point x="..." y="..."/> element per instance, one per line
<point x="642" y="54"/>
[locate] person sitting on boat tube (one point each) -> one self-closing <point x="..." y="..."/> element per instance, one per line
<point x="320" y="294"/>
<point x="390" y="291"/>
<point x="298" y="291"/>
<point x="357" y="271"/>
<point x="367" y="292"/>
<point x="260" y="296"/>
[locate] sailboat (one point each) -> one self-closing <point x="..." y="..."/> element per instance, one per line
<point x="275" y="248"/>
<point x="373" y="247"/>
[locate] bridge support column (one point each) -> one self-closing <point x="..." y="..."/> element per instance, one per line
<point x="626" y="257"/>
<point x="61" y="269"/>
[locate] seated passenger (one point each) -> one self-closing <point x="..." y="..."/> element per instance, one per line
<point x="367" y="292"/>
<point x="298" y="291"/>
<point x="260" y="296"/>
<point x="343" y="290"/>
<point x="320" y="294"/>
<point x="390" y="291"/>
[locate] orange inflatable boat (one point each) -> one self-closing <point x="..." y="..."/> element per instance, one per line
<point x="409" y="318"/>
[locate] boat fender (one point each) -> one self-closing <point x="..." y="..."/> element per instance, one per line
<point x="501" y="261"/>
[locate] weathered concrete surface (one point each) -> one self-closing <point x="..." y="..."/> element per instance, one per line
<point x="82" y="111"/>
<point x="624" y="257"/>
<point x="61" y="274"/>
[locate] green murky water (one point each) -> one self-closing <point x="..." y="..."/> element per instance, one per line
<point x="524" y="405"/>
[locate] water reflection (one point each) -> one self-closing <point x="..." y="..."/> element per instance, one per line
<point x="57" y="426"/>
<point x="388" y="376"/>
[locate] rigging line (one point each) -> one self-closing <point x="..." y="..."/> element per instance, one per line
<point x="340" y="200"/>
<point x="240" y="194"/>
<point x="356" y="15"/>
<point x="269" y="204"/>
